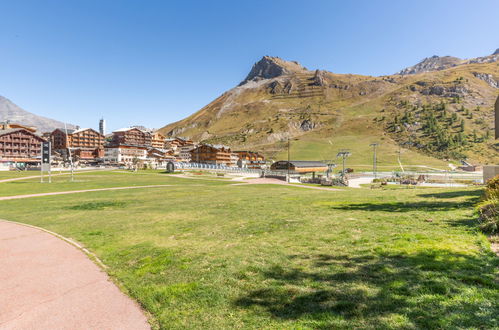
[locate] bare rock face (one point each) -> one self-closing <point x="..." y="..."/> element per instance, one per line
<point x="271" y="67"/>
<point x="319" y="78"/>
<point x="434" y="63"/>
<point x="494" y="57"/>
<point x="307" y="125"/>
<point x="488" y="78"/>
<point x="289" y="87"/>
<point x="452" y="91"/>
<point x="275" y="87"/>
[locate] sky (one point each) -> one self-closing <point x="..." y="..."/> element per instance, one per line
<point x="151" y="62"/>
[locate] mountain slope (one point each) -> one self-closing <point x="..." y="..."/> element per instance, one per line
<point x="417" y="114"/>
<point x="13" y="113"/>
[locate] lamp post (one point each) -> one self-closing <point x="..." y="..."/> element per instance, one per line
<point x="374" y="145"/>
<point x="343" y="154"/>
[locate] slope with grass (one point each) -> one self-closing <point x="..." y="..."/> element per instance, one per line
<point x="209" y="254"/>
<point x="327" y="112"/>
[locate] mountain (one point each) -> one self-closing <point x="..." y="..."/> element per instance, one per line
<point x="13" y="113"/>
<point x="433" y="63"/>
<point x="436" y="63"/>
<point x="438" y="111"/>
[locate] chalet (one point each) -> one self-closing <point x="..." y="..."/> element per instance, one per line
<point x="158" y="140"/>
<point x="19" y="145"/>
<point x="85" y="144"/>
<point x="181" y="148"/>
<point x="212" y="154"/>
<point x="250" y="159"/>
<point x="159" y="157"/>
<point x="131" y="136"/>
<point x="299" y="166"/>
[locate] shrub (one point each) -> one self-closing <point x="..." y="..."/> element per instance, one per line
<point x="492" y="189"/>
<point x="488" y="209"/>
<point x="488" y="212"/>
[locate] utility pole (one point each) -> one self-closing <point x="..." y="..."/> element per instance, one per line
<point x="374" y="145"/>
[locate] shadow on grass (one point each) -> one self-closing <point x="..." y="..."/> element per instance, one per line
<point x="436" y="289"/>
<point x="472" y="194"/>
<point x="97" y="206"/>
<point x="404" y="207"/>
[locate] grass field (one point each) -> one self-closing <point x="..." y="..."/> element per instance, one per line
<point x="209" y="254"/>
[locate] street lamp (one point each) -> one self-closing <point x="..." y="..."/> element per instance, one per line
<point x="343" y="154"/>
<point x="374" y="145"/>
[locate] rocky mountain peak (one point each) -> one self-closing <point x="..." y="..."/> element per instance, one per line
<point x="13" y="113"/>
<point x="433" y="63"/>
<point x="496" y="52"/>
<point x="270" y="67"/>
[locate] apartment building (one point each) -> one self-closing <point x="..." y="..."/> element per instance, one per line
<point x="124" y="155"/>
<point x="131" y="136"/>
<point x="158" y="140"/>
<point x="85" y="144"/>
<point x="212" y="154"/>
<point x="250" y="159"/>
<point x="20" y="145"/>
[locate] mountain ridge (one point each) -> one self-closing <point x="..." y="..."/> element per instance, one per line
<point x="420" y="113"/>
<point x="9" y="111"/>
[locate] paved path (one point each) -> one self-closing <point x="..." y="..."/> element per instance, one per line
<point x="280" y="182"/>
<point x="355" y="183"/>
<point x="80" y="191"/>
<point x="47" y="283"/>
<point x="53" y="174"/>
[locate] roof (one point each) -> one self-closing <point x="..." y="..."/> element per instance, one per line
<point x="69" y="130"/>
<point x="124" y="129"/>
<point x="12" y="130"/>
<point x="79" y="130"/>
<point x="304" y="163"/>
<point x="215" y="146"/>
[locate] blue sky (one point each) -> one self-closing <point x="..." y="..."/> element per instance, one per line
<point x="155" y="62"/>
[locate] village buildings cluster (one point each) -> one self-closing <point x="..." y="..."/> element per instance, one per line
<point x="133" y="146"/>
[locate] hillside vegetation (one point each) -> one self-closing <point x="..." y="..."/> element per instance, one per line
<point x="433" y="115"/>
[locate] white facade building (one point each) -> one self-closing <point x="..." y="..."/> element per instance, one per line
<point x="124" y="154"/>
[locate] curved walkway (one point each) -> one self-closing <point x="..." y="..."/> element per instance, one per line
<point x="54" y="174"/>
<point x="47" y="283"/>
<point x="81" y="191"/>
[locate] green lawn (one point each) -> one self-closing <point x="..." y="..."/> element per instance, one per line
<point x="207" y="254"/>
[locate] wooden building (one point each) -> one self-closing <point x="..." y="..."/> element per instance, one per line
<point x="158" y="140"/>
<point x="131" y="137"/>
<point x="159" y="157"/>
<point x="299" y="166"/>
<point x="181" y="148"/>
<point x="19" y="145"/>
<point x="212" y="154"/>
<point x="85" y="144"/>
<point x="250" y="159"/>
<point x="8" y="125"/>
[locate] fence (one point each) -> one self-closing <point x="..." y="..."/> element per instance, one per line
<point x="217" y="168"/>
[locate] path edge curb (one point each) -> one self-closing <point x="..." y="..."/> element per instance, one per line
<point x="91" y="256"/>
